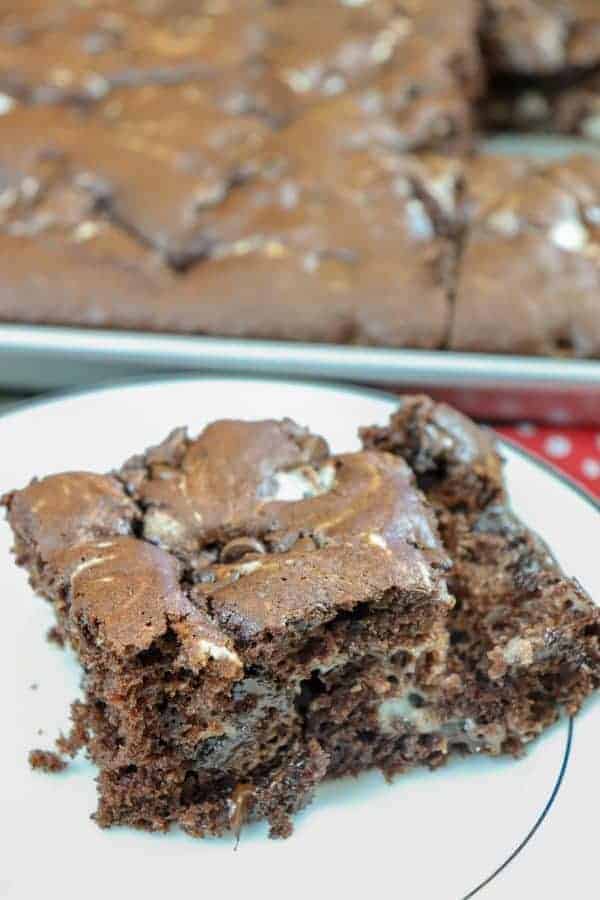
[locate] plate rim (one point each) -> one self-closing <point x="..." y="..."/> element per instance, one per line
<point x="52" y="397"/>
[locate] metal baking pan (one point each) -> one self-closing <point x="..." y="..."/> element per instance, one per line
<point x="34" y="358"/>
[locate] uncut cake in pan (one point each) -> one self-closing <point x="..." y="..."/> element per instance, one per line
<point x="239" y="170"/>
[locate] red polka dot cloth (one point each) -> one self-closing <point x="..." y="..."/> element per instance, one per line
<point x="574" y="451"/>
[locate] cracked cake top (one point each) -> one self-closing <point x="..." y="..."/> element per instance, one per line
<point x="239" y="541"/>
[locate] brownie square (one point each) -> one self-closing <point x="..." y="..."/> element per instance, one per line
<point x="535" y="233"/>
<point x="289" y="255"/>
<point x="212" y="590"/>
<point x="538" y="38"/>
<point x="141" y="143"/>
<point x="524" y="638"/>
<point x="543" y="62"/>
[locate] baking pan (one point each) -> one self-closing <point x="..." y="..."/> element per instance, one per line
<point x="34" y="358"/>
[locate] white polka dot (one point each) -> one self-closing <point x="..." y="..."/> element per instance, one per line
<point x="527" y="429"/>
<point x="557" y="446"/>
<point x="590" y="468"/>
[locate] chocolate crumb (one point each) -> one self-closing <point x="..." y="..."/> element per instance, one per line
<point x="46" y="760"/>
<point x="55" y="636"/>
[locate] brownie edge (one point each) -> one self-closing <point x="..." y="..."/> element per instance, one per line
<point x="524" y="637"/>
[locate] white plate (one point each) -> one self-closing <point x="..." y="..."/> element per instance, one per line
<point x="430" y="836"/>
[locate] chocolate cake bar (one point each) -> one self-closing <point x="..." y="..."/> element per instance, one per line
<point x="524" y="638"/>
<point x="253" y="614"/>
<point x="531" y="253"/>
<point x="536" y="37"/>
<point x="289" y="254"/>
<point x="544" y="61"/>
<point x="218" y="592"/>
